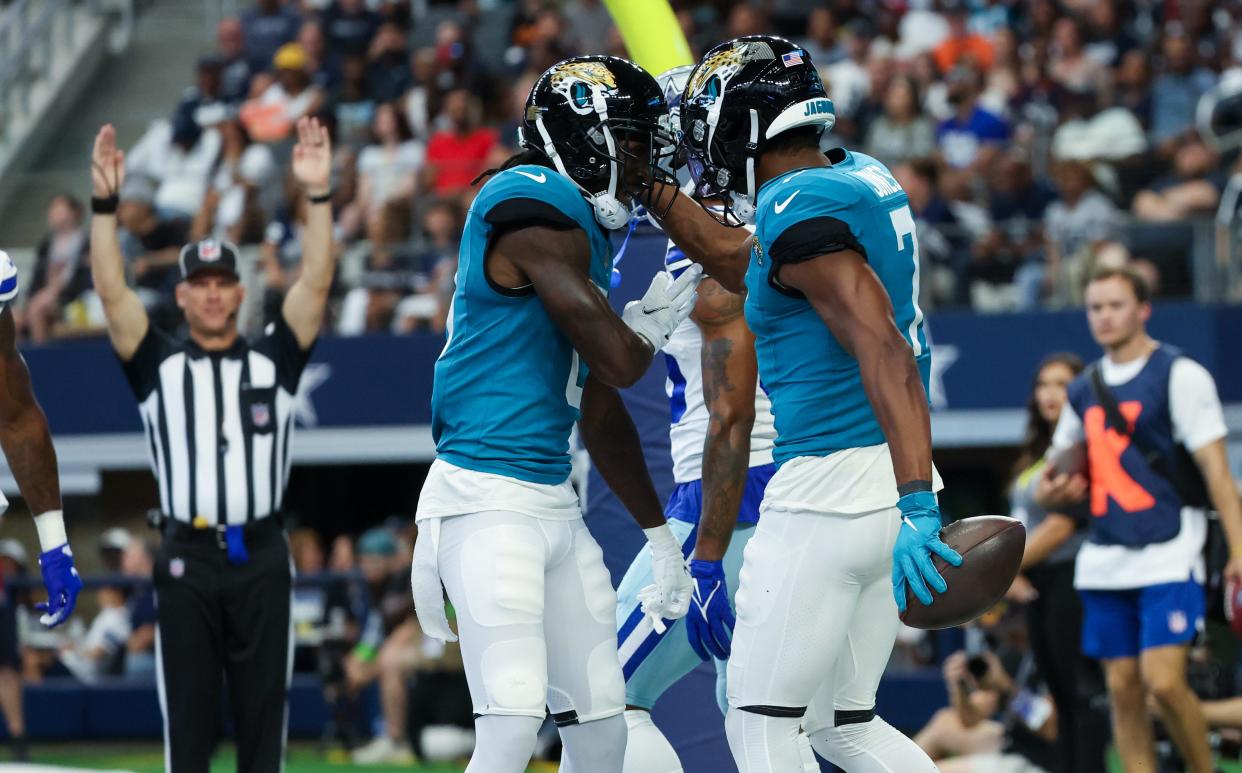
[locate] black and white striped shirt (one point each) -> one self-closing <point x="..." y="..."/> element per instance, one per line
<point x="218" y="423"/>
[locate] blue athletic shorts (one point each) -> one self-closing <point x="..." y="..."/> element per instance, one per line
<point x="1123" y="623"/>
<point x="653" y="662"/>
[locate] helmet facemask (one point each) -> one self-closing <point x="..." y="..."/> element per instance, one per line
<point x="611" y="161"/>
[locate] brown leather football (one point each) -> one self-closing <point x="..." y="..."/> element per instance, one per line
<point x="991" y="547"/>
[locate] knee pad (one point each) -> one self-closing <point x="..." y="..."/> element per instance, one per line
<point x="515" y="677"/>
<point x="502" y="572"/>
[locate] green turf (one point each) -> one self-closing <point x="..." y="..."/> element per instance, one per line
<point x="148" y="758"/>
<point x="303" y="758"/>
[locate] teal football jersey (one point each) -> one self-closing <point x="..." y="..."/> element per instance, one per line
<point x="508" y="384"/>
<point x="814" y="383"/>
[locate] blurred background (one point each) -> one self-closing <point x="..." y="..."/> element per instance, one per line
<point x="1036" y="140"/>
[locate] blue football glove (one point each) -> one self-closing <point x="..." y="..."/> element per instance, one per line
<point x="918" y="539"/>
<point x="709" y="625"/>
<point x="63" y="585"/>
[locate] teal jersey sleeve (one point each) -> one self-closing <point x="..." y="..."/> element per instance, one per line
<point x="508" y="384"/>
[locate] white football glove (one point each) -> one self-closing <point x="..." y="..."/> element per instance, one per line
<point x="668" y="598"/>
<point x="425" y="582"/>
<point x="665" y="304"/>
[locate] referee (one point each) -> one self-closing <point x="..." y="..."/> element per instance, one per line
<point x="217" y="411"/>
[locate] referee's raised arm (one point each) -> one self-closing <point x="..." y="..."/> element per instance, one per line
<point x="127" y="318"/>
<point x="312" y="166"/>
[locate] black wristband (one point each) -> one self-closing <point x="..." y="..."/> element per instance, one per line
<point x="324" y="199"/>
<point x="914" y="487"/>
<point x="106" y="205"/>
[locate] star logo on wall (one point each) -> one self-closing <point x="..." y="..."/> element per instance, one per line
<point x="313" y="377"/>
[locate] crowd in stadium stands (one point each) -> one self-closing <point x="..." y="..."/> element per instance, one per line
<point x="354" y="627"/>
<point x="1035" y="138"/>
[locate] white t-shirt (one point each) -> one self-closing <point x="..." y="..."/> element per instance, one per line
<point x="386" y="169"/>
<point x="451" y="490"/>
<point x="1198" y="420"/>
<point x="853" y="481"/>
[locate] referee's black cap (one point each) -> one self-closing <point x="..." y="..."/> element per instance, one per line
<point x="208" y="255"/>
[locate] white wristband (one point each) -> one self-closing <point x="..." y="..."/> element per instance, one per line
<point x="51" y="526"/>
<point x="662" y="537"/>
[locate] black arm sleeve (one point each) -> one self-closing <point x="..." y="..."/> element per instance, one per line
<point x="512" y="214"/>
<point x="143" y="369"/>
<point x="811" y="238"/>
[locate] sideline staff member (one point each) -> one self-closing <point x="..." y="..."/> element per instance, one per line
<point x="217" y="411"/>
<point x="1140" y="573"/>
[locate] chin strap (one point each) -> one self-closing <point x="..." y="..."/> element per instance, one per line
<point x="610" y="212"/>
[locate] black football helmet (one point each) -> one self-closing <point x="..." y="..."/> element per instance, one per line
<point x="744" y="93"/>
<point x="594" y="117"/>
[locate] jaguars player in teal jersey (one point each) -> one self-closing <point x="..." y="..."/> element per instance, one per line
<point x="850" y="518"/>
<point x="534" y="346"/>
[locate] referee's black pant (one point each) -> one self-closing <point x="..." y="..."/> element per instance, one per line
<point x="219" y="621"/>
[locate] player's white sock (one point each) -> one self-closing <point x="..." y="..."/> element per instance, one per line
<point x="762" y="743"/>
<point x="503" y="744"/>
<point x="594" y="747"/>
<point x="647" y="750"/>
<point x="871" y="747"/>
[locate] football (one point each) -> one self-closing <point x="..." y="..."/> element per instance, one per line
<point x="991" y="547"/>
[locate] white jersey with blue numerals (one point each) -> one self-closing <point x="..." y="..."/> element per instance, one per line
<point x="814" y="383"/>
<point x="689" y="417"/>
<point x="508" y="385"/>
<point x="8" y="280"/>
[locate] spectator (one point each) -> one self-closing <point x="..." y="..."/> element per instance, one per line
<point x="1017" y="203"/>
<point x="902" y="132"/>
<point x="101" y="652"/>
<point x="12" y="564"/>
<point x="233" y="209"/>
<point x="235" y="68"/>
<point x="972" y="136"/>
<point x="1071" y="67"/>
<point x="1191" y="190"/>
<point x="112" y="545"/>
<point x="962" y="46"/>
<point x="150" y="245"/>
<point x="355" y="104"/>
<point x="1054" y="612"/>
<point x="178" y="158"/>
<point x="1109" y="40"/>
<point x="350" y="27"/>
<point x="423" y="97"/>
<point x="266" y="27"/>
<point x="588" y="22"/>
<point x="1166" y="209"/>
<point x="964" y="738"/>
<point x="388" y="68"/>
<point x="280" y="254"/>
<point x="324" y="65"/>
<point x="61" y="272"/>
<point x="203" y="105"/>
<point x="387" y="174"/>
<point x="939" y="231"/>
<point x="1176" y="90"/>
<point x="1132" y="85"/>
<point x="437" y="265"/>
<point x="389" y="648"/>
<point x="1074" y="226"/>
<point x="310" y="597"/>
<point x="138" y="565"/>
<point x="456" y="153"/>
<point x="823" y="37"/>
<point x="270" y="117"/>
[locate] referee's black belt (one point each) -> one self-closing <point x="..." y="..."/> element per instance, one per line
<point x="255" y="534"/>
